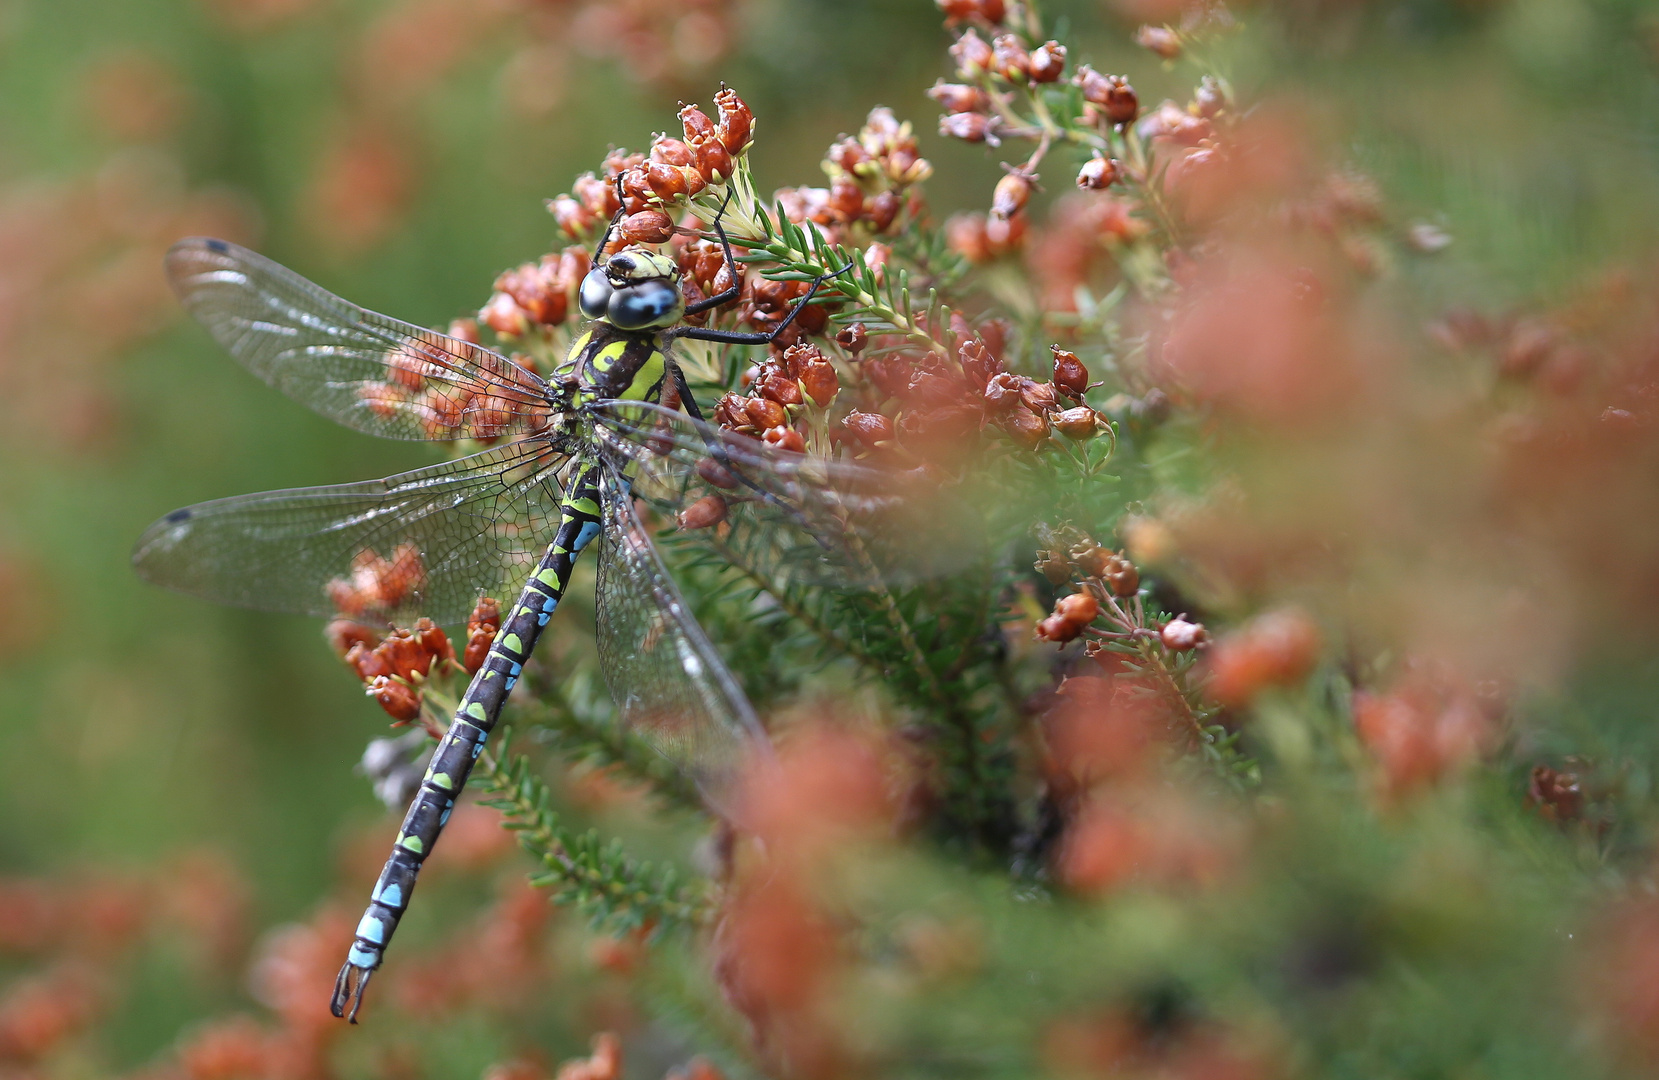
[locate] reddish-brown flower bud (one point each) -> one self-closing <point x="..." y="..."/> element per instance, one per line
<point x="1091" y="559"/>
<point x="342" y="634"/>
<point x="401" y="702"/>
<point x="1079" y="608"/>
<point x="716" y="474"/>
<point x="1009" y="58"/>
<point x="698" y="127"/>
<point x="1054" y="566"/>
<point x="966" y="235"/>
<point x="867" y="429"/>
<point x="764" y="414"/>
<point x="714" y="162"/>
<point x="991" y="11"/>
<point x="367" y="662"/>
<point x="1210" y="98"/>
<point x="673" y="152"/>
<point x="503" y="315"/>
<point x="1121" y="575"/>
<point x="1098" y="174"/>
<point x="820" y="382"/>
<point x="572" y="217"/>
<point x="404" y="654"/>
<point x="464" y="330"/>
<point x="487" y="612"/>
<point x="1179" y="635"/>
<point x="1112" y="93"/>
<point x="1002" y="392"/>
<point x="1038" y="397"/>
<point x="881" y="211"/>
<point x="737" y="123"/>
<point x="1058" y="629"/>
<point x="972" y="56"/>
<point x="1012" y="193"/>
<point x="598" y="197"/>
<point x="1027" y="428"/>
<point x="731" y="411"/>
<point x="786" y="438"/>
<point x="646" y="227"/>
<point x="434" y="640"/>
<point x="1070" y="376"/>
<point x="1159" y="39"/>
<point x="479" y="640"/>
<point x="667" y="181"/>
<point x="799" y="356"/>
<point x="959" y="97"/>
<point x="852" y="338"/>
<point x="705" y="512"/>
<point x="970" y="127"/>
<point x="1077" y="424"/>
<point x="1048" y="62"/>
<point x="779" y="387"/>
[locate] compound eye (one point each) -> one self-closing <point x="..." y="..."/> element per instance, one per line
<point x="596" y="294"/>
<point x="650" y="303"/>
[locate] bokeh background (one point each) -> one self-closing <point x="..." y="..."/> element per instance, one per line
<point x="189" y="770"/>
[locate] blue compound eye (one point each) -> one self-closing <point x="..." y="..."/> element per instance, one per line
<point x="596" y="294"/>
<point x="649" y="303"/>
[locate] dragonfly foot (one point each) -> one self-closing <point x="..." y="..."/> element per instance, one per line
<point x="349" y="990"/>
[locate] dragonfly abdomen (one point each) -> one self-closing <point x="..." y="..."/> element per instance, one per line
<point x="475" y="718"/>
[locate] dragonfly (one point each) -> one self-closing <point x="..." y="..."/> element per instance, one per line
<point x="570" y="454"/>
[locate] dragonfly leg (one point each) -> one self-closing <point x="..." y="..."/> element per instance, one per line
<point x="452" y="762"/>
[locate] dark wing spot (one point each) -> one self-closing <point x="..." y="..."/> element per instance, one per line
<point x="180" y="515"/>
<point x="222" y="248"/>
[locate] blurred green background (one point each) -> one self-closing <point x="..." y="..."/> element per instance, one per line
<point x="398" y="153"/>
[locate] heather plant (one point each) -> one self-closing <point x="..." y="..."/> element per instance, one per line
<point x="1251" y="684"/>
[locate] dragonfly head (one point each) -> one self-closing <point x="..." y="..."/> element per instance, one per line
<point x="635" y="289"/>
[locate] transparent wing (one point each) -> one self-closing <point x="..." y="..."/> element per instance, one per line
<point x="363" y="370"/>
<point x="428" y="542"/>
<point x="669" y="684"/>
<point x="790" y="518"/>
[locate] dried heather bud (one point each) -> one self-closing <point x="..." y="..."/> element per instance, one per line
<point x="1091" y="559"/>
<point x="479" y="639"/>
<point x="959" y="97"/>
<point x="1058" y="630"/>
<point x="776" y="386"/>
<point x="786" y="438"/>
<point x="698" y="127"/>
<point x="503" y="315"/>
<point x="737" y="123"/>
<point x="487" y="612"/>
<point x="1002" y="392"/>
<point x="714" y="162"/>
<point x="972" y="56"/>
<point x="1039" y="397"/>
<point x="1210" y="99"/>
<point x="867" y="429"/>
<point x="1009" y="58"/>
<point x="705" y="512"/>
<point x="1112" y="93"/>
<point x="572" y="217"/>
<point x="367" y="662"/>
<point x="1077" y="424"/>
<point x="1557" y="795"/>
<point x="1048" y="62"/>
<point x="405" y="655"/>
<point x="1159" y="39"/>
<point x="464" y="330"/>
<point x="991" y="11"/>
<point x="1179" y="635"/>
<point x="1012" y="193"/>
<point x="1070" y="376"/>
<point x="1027" y="428"/>
<point x="342" y="634"/>
<point x="820" y="382"/>
<point x="434" y="640"/>
<point x="970" y="127"/>
<point x="763" y="414"/>
<point x="716" y="474"/>
<point x="667" y="151"/>
<point x="1053" y="566"/>
<point x="1120" y="574"/>
<point x="646" y="227"/>
<point x="401" y="701"/>
<point x="667" y="182"/>
<point x="979" y="364"/>
<point x="1079" y="608"/>
<point x="1098" y="174"/>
